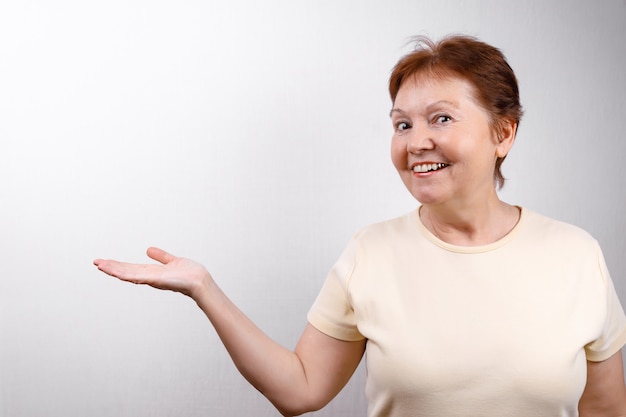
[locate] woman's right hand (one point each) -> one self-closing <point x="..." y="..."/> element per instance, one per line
<point x="174" y="273"/>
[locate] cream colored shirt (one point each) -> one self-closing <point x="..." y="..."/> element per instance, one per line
<point x="498" y="330"/>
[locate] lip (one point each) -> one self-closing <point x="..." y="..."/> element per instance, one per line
<point x="441" y="166"/>
<point x="414" y="164"/>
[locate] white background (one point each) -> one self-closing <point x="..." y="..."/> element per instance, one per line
<point x="252" y="137"/>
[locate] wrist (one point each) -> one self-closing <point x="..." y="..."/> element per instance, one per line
<point x="202" y="289"/>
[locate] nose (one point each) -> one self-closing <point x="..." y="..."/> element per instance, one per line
<point x="420" y="140"/>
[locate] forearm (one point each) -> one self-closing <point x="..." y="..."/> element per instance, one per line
<point x="295" y="382"/>
<point x="272" y="369"/>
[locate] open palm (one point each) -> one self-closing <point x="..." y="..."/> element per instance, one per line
<point x="174" y="273"/>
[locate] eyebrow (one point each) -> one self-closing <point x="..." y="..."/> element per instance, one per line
<point x="394" y="110"/>
<point x="430" y="106"/>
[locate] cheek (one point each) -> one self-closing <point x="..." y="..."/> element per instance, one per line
<point x="398" y="155"/>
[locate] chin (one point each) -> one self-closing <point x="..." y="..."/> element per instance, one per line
<point x="426" y="197"/>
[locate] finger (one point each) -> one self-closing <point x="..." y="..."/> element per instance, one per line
<point x="138" y="274"/>
<point x="104" y="265"/>
<point x="101" y="265"/>
<point x="160" y="255"/>
<point x="107" y="266"/>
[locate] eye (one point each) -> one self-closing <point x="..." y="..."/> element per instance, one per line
<point x="400" y="126"/>
<point x="442" y="119"/>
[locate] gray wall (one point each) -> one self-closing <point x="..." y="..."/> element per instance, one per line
<point x="253" y="137"/>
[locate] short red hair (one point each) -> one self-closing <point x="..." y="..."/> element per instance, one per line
<point x="465" y="57"/>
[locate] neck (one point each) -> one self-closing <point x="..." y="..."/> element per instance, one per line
<point x="481" y="224"/>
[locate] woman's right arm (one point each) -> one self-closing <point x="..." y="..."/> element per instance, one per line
<point x="296" y="381"/>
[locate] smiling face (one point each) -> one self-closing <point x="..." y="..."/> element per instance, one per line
<point x="444" y="146"/>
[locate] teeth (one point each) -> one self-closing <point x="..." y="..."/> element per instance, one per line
<point x="428" y="167"/>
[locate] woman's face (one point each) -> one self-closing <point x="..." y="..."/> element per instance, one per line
<point x="443" y="145"/>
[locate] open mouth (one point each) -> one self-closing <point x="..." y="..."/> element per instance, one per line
<point x="428" y="167"/>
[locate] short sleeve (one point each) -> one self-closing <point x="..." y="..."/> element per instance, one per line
<point x="613" y="336"/>
<point x="332" y="312"/>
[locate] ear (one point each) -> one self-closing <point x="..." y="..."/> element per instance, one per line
<point x="506" y="137"/>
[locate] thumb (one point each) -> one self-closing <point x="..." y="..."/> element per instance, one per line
<point x="160" y="255"/>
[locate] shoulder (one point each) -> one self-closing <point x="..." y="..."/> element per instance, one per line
<point x="396" y="225"/>
<point x="393" y="229"/>
<point x="551" y="228"/>
<point x="565" y="238"/>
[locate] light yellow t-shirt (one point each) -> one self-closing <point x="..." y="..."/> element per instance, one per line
<point x="499" y="330"/>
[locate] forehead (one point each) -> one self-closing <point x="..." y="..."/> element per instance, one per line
<point x="425" y="89"/>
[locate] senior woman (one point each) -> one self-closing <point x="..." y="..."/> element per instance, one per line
<point x="467" y="306"/>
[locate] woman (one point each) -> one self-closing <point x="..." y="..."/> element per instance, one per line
<point x="466" y="306"/>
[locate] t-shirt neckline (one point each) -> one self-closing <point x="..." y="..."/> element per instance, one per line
<point x="471" y="249"/>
